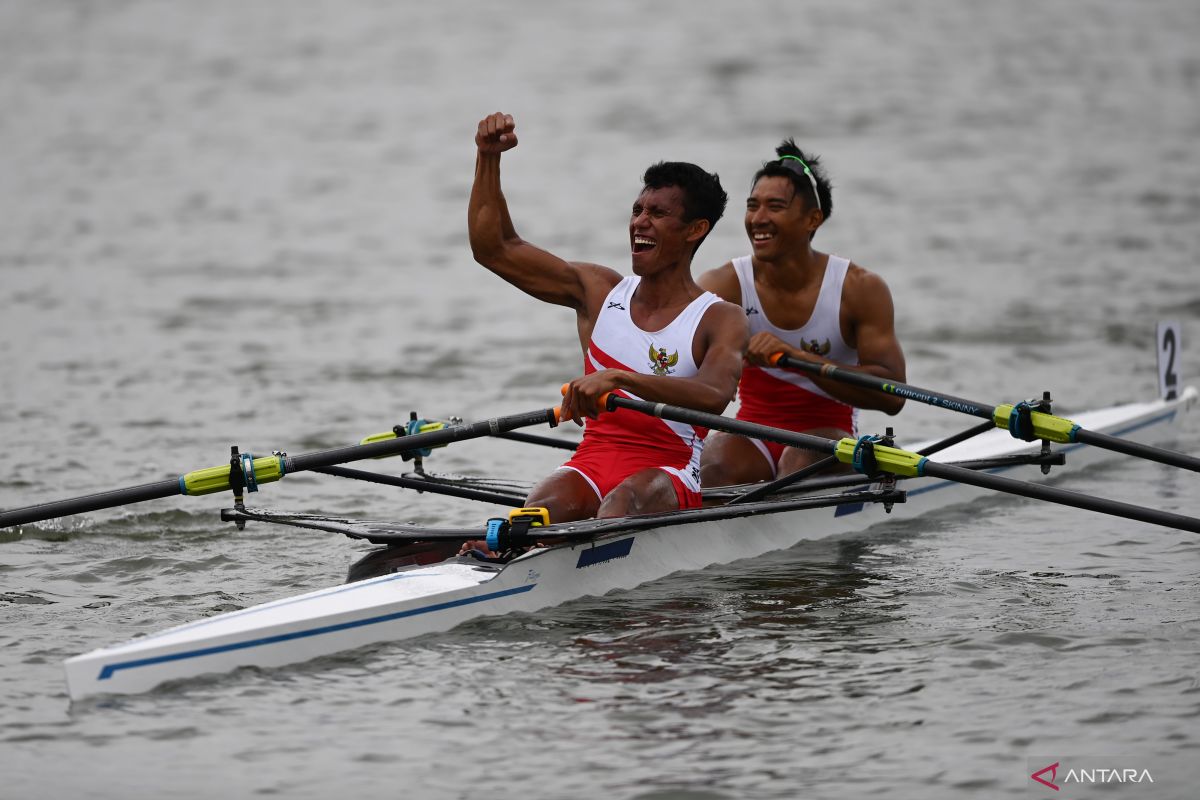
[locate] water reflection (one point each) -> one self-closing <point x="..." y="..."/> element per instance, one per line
<point x="771" y="621"/>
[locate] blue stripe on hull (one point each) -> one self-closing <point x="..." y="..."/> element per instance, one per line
<point x="110" y="669"/>
<point x="605" y="552"/>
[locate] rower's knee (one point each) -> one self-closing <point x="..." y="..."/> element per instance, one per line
<point x="714" y="474"/>
<point x="645" y="492"/>
<point x="565" y="495"/>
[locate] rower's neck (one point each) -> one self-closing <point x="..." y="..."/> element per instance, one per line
<point x="793" y="271"/>
<point x="668" y="288"/>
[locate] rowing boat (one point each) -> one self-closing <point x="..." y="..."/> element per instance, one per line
<point x="594" y="557"/>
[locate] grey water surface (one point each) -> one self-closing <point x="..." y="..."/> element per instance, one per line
<point x="244" y="223"/>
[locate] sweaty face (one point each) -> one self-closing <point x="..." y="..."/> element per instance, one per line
<point x="657" y="232"/>
<point x="777" y="219"/>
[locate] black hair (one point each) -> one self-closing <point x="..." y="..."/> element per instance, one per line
<point x="787" y="166"/>
<point x="703" y="197"/>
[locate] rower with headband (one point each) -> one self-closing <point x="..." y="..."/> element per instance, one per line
<point x="813" y="306"/>
<point x="805" y="170"/>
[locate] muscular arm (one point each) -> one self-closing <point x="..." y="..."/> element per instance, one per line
<point x="867" y="303"/>
<point x="722" y="337"/>
<point x="496" y="245"/>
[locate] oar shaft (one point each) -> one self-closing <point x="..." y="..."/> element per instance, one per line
<point x="1047" y="426"/>
<point x="402" y="444"/>
<point x="216" y="479"/>
<point x="902" y="462"/>
<point x="717" y="422"/>
<point x="904" y="390"/>
<point x="91" y="502"/>
<point x="533" y="438"/>
<point x="433" y="487"/>
<point x="1138" y="449"/>
<point x="1064" y="497"/>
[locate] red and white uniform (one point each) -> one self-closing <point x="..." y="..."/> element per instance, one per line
<point x="785" y="398"/>
<point x="619" y="443"/>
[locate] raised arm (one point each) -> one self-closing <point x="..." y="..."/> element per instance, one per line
<point x="494" y="240"/>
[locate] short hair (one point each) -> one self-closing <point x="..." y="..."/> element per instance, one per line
<point x="788" y="152"/>
<point x="703" y="197"/>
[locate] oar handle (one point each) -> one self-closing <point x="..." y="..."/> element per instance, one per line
<point x="601" y="403"/>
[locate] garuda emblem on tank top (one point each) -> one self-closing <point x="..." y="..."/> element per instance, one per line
<point x="811" y="346"/>
<point x="660" y="362"/>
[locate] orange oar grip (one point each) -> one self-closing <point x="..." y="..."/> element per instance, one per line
<point x="775" y="358"/>
<point x="602" y="403"/>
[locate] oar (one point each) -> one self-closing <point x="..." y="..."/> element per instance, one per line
<point x="246" y="470"/>
<point x="545" y="441"/>
<point x="868" y="457"/>
<point x="424" y="485"/>
<point x="1020" y="420"/>
<point x="509" y="535"/>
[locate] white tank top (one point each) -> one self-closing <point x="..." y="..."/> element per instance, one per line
<point x="618" y="343"/>
<point x="821" y="334"/>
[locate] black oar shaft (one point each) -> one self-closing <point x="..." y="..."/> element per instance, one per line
<point x="784" y="482"/>
<point x="1103" y="441"/>
<point x="690" y="416"/>
<point x="926" y="467"/>
<point x="298" y="463"/>
<point x="868" y="381"/>
<point x="961" y="436"/>
<point x="545" y="441"/>
<point x="424" y="485"/>
<point x="1138" y="449"/>
<point x="403" y="444"/>
<point x="1064" y="497"/>
<point x="91" y="502"/>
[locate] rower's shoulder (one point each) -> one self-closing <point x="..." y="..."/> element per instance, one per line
<point x="860" y="278"/>
<point x="864" y="288"/>
<point x="596" y="278"/>
<point x="727" y="317"/>
<point x="723" y="282"/>
<point x="597" y="271"/>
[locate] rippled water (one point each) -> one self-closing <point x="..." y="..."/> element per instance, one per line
<point x="245" y="223"/>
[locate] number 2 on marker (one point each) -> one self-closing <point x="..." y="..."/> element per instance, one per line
<point x="1168" y="339"/>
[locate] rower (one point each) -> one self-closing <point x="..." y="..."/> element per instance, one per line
<point x="654" y="335"/>
<point x="810" y="305"/>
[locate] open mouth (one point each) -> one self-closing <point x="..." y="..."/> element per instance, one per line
<point x="759" y="237"/>
<point x="643" y="244"/>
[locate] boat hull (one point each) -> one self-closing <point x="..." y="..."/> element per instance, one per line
<point x="441" y="596"/>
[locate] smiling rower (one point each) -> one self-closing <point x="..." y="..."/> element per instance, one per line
<point x="810" y="305"/>
<point x="654" y="335"/>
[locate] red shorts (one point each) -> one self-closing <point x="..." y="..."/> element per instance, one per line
<point x="773" y="451"/>
<point x="604" y="466"/>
